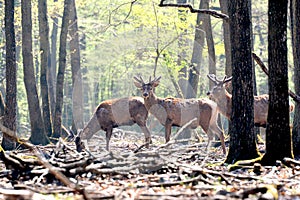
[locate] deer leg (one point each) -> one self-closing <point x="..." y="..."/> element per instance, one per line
<point x="168" y="127"/>
<point x="216" y="129"/>
<point x="108" y="136"/>
<point x="147" y="135"/>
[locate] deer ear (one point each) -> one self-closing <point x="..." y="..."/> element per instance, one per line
<point x="137" y="84"/>
<point x="155" y="83"/>
<point x="227" y="84"/>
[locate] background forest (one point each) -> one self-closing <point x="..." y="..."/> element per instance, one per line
<point x="117" y="40"/>
<point x="120" y="39"/>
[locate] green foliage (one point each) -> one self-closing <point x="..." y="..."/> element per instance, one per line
<point x="119" y="40"/>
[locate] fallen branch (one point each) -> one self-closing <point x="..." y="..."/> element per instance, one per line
<point x="194" y="10"/>
<point x="42" y="160"/>
<point x="265" y="69"/>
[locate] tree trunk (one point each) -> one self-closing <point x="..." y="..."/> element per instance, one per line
<point x="295" y="29"/>
<point x="77" y="96"/>
<point x="227" y="47"/>
<point x="210" y="44"/>
<point x="278" y="135"/>
<point x="2" y="105"/>
<point x="10" y="116"/>
<point x="242" y="139"/>
<point x="182" y="77"/>
<point x="226" y="35"/>
<point x="194" y="71"/>
<point x="52" y="65"/>
<point x="36" y="121"/>
<point x="61" y="70"/>
<point x="44" y="50"/>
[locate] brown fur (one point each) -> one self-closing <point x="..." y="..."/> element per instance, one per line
<point x="117" y="112"/>
<point x="178" y="112"/>
<point x="223" y="99"/>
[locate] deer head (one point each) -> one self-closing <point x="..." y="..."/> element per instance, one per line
<point x="146" y="88"/>
<point x="218" y="91"/>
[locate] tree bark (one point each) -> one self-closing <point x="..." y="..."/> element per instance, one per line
<point x="295" y="29"/>
<point x="36" y="121"/>
<point x="278" y="135"/>
<point x="226" y="35"/>
<point x="242" y="144"/>
<point x="10" y="116"/>
<point x="194" y="71"/>
<point x="77" y="96"/>
<point x="44" y="52"/>
<point x="61" y="70"/>
<point x="210" y="44"/>
<point x="52" y="65"/>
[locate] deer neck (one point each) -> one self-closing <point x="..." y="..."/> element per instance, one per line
<point x="225" y="104"/>
<point x="151" y="100"/>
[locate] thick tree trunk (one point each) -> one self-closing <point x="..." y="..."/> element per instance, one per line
<point x="61" y="70"/>
<point x="44" y="50"/>
<point x="295" y="26"/>
<point x="278" y="135"/>
<point x="242" y="139"/>
<point x="36" y="121"/>
<point x="10" y="116"/>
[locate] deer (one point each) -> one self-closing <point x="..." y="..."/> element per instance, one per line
<point x="178" y="111"/>
<point x="113" y="113"/>
<point x="223" y="98"/>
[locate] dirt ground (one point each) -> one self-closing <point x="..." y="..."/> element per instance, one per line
<point x="131" y="171"/>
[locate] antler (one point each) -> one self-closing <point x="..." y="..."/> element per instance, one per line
<point x="155" y="79"/>
<point x="140" y="79"/>
<point x="213" y="78"/>
<point x="216" y="81"/>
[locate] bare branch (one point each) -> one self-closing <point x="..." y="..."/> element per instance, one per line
<point x="193" y="10"/>
<point x="265" y="69"/>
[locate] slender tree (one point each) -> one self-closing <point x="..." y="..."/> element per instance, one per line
<point x="10" y="116"/>
<point x="242" y="144"/>
<point x="44" y="52"/>
<point x="52" y="64"/>
<point x="76" y="71"/>
<point x="295" y="26"/>
<point x="193" y="76"/>
<point x="61" y="70"/>
<point x="278" y="135"/>
<point x="36" y="121"/>
<point x="210" y="43"/>
<point x="226" y="36"/>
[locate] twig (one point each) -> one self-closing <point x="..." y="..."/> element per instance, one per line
<point x="173" y="139"/>
<point x="265" y="69"/>
<point x="60" y="176"/>
<point x="193" y="10"/>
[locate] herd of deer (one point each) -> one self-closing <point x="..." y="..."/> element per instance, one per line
<point x="170" y="111"/>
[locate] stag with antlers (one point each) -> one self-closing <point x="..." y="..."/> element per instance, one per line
<point x="178" y="112"/>
<point x="223" y="99"/>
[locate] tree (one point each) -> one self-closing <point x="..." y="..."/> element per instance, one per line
<point x="226" y="36"/>
<point x="242" y="144"/>
<point x="295" y="29"/>
<point x="194" y="69"/>
<point x="278" y="136"/>
<point x="61" y="70"/>
<point x="44" y="52"/>
<point x="76" y="70"/>
<point x="36" y="121"/>
<point x="52" y="64"/>
<point x="10" y="116"/>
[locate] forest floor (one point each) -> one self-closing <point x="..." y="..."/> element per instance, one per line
<point x="131" y="171"/>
